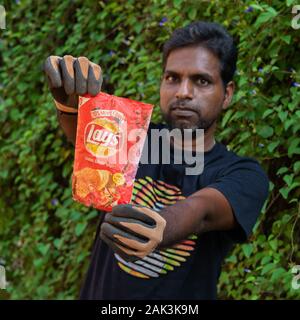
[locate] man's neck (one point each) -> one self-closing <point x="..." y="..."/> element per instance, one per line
<point x="196" y="145"/>
<point x="209" y="145"/>
<point x="209" y="138"/>
<point x="199" y="143"/>
<point x="209" y="142"/>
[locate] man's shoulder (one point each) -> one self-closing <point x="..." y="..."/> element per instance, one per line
<point x="232" y="160"/>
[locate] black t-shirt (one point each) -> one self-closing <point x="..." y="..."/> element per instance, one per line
<point x="189" y="269"/>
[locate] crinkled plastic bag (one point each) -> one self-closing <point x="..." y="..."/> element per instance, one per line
<point x="111" y="132"/>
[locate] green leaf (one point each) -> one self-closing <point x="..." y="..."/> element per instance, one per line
<point x="288" y="123"/>
<point x="277" y="274"/>
<point x="75" y="215"/>
<point x="288" y="178"/>
<point x="92" y="214"/>
<point x="232" y="259"/>
<point x="38" y="262"/>
<point x="192" y="13"/>
<point x="296" y="167"/>
<point x="267" y="113"/>
<point x="290" y="2"/>
<point x="294" y="147"/>
<point x="257" y="6"/>
<point x="265" y="131"/>
<point x="265" y="17"/>
<point x="57" y="243"/>
<point x="286" y="38"/>
<point x="247" y="249"/>
<point x="273" y="145"/>
<point x="15" y="114"/>
<point x="267" y="268"/>
<point x="266" y="260"/>
<point x="81" y="257"/>
<point x="80" y="227"/>
<point x="43" y="248"/>
<point x="284" y="191"/>
<point x="226" y="117"/>
<point x="282" y="170"/>
<point x="282" y="115"/>
<point x="250" y="279"/>
<point x="294" y="185"/>
<point x="273" y="244"/>
<point x="177" y="3"/>
<point x="138" y="27"/>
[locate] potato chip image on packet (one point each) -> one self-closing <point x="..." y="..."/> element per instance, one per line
<point x="111" y="132"/>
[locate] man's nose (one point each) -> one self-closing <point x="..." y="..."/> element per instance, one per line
<point x="185" y="90"/>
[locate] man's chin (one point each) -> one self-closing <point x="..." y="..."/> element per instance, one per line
<point x="182" y="124"/>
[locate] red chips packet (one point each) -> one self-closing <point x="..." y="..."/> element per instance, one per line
<point x="111" y="132"/>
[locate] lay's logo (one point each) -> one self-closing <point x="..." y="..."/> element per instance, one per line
<point x="102" y="137"/>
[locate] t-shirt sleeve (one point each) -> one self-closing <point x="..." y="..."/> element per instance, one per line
<point x="245" y="185"/>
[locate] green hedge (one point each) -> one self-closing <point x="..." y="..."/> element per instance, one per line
<point x="45" y="238"/>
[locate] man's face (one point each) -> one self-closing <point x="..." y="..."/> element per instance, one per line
<point x="192" y="94"/>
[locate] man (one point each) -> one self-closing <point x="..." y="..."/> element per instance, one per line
<point x="169" y="243"/>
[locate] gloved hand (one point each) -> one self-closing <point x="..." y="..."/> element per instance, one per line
<point x="69" y="77"/>
<point x="132" y="231"/>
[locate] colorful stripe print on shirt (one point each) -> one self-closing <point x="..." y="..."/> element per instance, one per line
<point x="156" y="194"/>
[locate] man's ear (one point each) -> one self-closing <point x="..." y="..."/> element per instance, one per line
<point x="229" y="90"/>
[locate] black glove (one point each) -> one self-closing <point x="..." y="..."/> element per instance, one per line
<point x="132" y="231"/>
<point x="69" y="77"/>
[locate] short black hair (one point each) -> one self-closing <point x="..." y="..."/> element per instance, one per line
<point x="211" y="36"/>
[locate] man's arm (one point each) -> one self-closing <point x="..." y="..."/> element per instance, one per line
<point x="68" y="123"/>
<point x="128" y="227"/>
<point x="232" y="203"/>
<point x="205" y="210"/>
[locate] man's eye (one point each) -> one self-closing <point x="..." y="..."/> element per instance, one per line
<point x="203" y="82"/>
<point x="170" y="78"/>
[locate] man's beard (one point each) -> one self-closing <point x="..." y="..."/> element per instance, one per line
<point x="177" y="123"/>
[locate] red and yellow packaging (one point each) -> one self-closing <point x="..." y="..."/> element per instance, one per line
<point x="110" y="136"/>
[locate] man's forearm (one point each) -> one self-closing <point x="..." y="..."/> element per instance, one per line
<point x="204" y="210"/>
<point x="68" y="122"/>
<point x="184" y="218"/>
